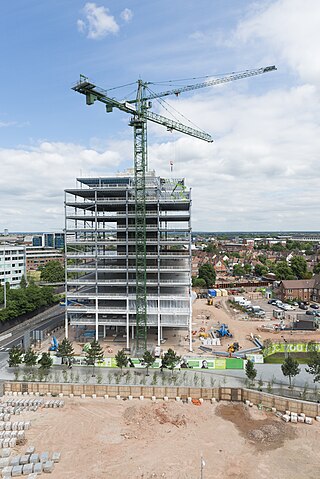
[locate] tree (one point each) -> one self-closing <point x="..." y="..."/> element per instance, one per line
<point x="290" y="368"/>
<point x="207" y="272"/>
<point x="314" y="366"/>
<point x="260" y="269"/>
<point x="199" y="283"/>
<point x="94" y="354"/>
<point x="121" y="359"/>
<point x="30" y="358"/>
<point x="65" y="350"/>
<point x="15" y="356"/>
<point x="316" y="269"/>
<point x="23" y="282"/>
<point x="148" y="359"/>
<point x="53" y="272"/>
<point x="45" y="362"/>
<point x="170" y="360"/>
<point x="299" y="266"/>
<point x="238" y="270"/>
<point x="283" y="271"/>
<point x="251" y="372"/>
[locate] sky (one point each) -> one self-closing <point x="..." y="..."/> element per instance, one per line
<point x="262" y="170"/>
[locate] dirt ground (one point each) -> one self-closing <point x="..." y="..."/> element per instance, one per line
<point x="140" y="439"/>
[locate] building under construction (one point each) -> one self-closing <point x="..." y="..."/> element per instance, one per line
<point x="101" y="256"/>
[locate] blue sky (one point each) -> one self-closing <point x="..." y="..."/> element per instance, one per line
<point x="262" y="171"/>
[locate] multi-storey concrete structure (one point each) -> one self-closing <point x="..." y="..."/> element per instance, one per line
<point x="100" y="255"/>
<point x="12" y="264"/>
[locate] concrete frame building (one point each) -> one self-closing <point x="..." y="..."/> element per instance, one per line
<point x="100" y="256"/>
<point x="12" y="264"/>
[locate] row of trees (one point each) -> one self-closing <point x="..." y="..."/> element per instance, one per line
<point x="290" y="368"/>
<point x="297" y="269"/>
<point x="24" y="300"/>
<point x="94" y="354"/>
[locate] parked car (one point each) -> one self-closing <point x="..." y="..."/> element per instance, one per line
<point x="314" y="306"/>
<point x="311" y="313"/>
<point x="303" y="306"/>
<point x="272" y="301"/>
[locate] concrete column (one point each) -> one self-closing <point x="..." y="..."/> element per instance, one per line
<point x="104" y="331"/>
<point x="97" y="323"/>
<point x="128" y="326"/>
<point x="132" y="332"/>
<point x="159" y="329"/>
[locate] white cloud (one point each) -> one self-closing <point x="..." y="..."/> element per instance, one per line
<point x="98" y="22"/>
<point x="32" y="181"/>
<point x="290" y="29"/>
<point x="126" y="14"/>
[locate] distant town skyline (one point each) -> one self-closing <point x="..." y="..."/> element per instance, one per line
<point x="260" y="174"/>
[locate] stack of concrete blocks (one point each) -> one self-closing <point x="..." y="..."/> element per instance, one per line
<point x="28" y="464"/>
<point x="295" y="417"/>
<point x="54" y="404"/>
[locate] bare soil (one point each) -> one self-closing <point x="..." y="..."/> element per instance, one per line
<point x="135" y="439"/>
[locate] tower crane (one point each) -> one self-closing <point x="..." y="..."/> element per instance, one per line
<point x="140" y="110"/>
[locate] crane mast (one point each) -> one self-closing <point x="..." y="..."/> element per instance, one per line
<point x="139" y="109"/>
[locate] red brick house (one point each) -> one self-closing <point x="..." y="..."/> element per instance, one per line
<point x="301" y="289"/>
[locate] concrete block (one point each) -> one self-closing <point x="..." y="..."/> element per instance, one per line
<point x="5" y="452"/>
<point x="6" y="471"/>
<point x="33" y="476"/>
<point x="30" y="450"/>
<point x="106" y="396"/>
<point x="201" y="401"/>
<point x="251" y="404"/>
<point x="83" y="396"/>
<point x="5" y="443"/>
<point x="302" y="414"/>
<point x="34" y="458"/>
<point x="153" y="398"/>
<point x="189" y="400"/>
<point x="15" y="461"/>
<point x="300" y="419"/>
<point x="130" y="398"/>
<point x="7" y="426"/>
<point x="4" y="461"/>
<point x="27" y="469"/>
<point x="48" y="466"/>
<point x="94" y="396"/>
<point x="294" y="419"/>
<point x="13" y="442"/>
<point x="16" y="471"/>
<point x="166" y="398"/>
<point x="19" y="393"/>
<point x="37" y="467"/>
<point x="60" y="395"/>
<point x="27" y="425"/>
<point x="49" y="394"/>
<point x="24" y="459"/>
<point x="247" y="402"/>
<point x="308" y="420"/>
<point x="318" y="418"/>
<point x="213" y="400"/>
<point x="14" y="393"/>
<point x="71" y="395"/>
<point x="141" y="398"/>
<point x="288" y="413"/>
<point x="286" y="417"/>
<point x="178" y="399"/>
<point x="118" y="396"/>
<point x="44" y="456"/>
<point x="56" y="456"/>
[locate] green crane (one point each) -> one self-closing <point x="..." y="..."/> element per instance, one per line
<point x="139" y="109"/>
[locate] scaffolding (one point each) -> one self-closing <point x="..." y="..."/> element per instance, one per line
<point x="100" y="247"/>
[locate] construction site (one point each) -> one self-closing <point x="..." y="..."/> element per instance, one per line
<point x="98" y="438"/>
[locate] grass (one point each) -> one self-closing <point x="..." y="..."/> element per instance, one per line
<point x="278" y="358"/>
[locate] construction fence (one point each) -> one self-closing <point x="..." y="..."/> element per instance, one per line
<point x="220" y="394"/>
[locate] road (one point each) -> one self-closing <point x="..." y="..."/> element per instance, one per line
<point x="46" y="322"/>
